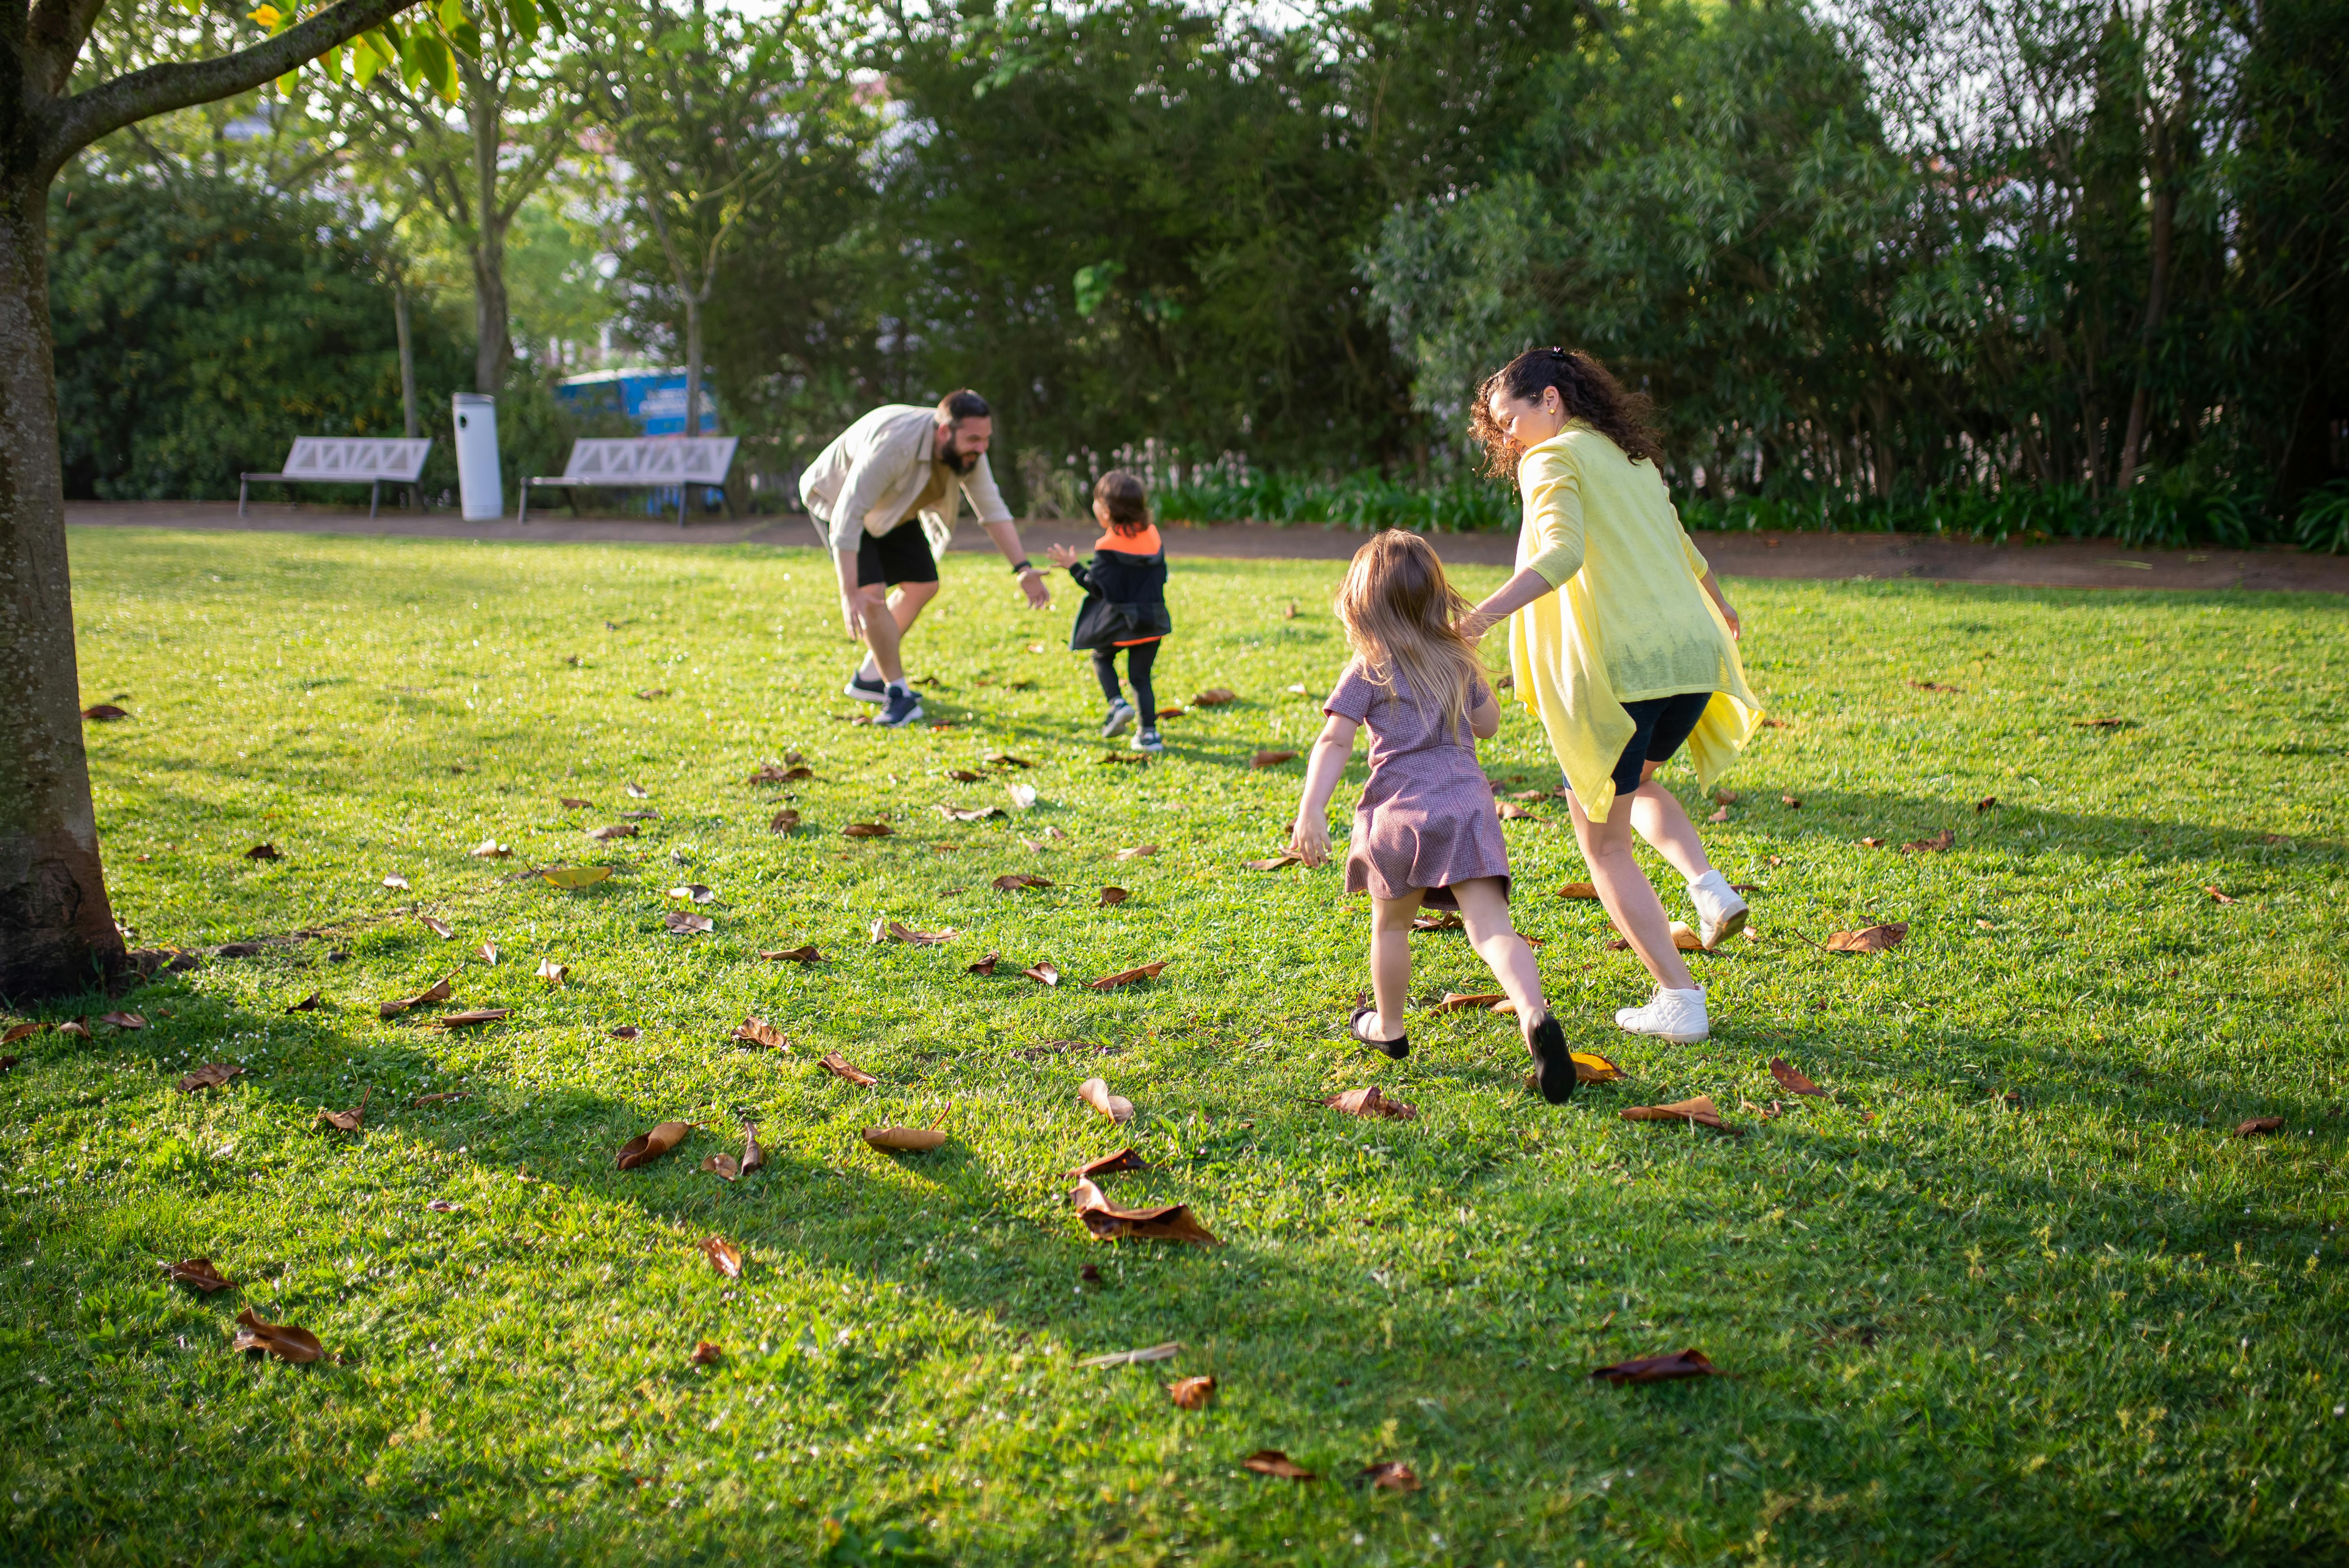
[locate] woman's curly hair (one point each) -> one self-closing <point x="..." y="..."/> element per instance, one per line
<point x="1591" y="396"/>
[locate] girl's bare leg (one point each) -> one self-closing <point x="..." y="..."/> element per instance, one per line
<point x="1391" y="960"/>
<point x="1630" y="898"/>
<point x="1659" y="817"/>
<point x="1487" y="914"/>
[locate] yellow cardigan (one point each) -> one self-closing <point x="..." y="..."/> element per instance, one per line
<point x="1631" y="619"/>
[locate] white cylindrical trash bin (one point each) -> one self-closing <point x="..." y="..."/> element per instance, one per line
<point x="480" y="492"/>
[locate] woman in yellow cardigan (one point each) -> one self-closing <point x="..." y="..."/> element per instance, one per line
<point x="1622" y="644"/>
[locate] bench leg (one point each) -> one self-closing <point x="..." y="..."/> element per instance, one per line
<point x="375" y="494"/>
<point x="523" y="521"/>
<point x="571" y="498"/>
<point x="682" y="492"/>
<point x="241" y="485"/>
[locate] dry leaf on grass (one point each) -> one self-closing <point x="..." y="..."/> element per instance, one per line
<point x="1042" y="973"/>
<point x="264" y="852"/>
<point x="784" y="822"/>
<point x="1578" y="889"/>
<point x="968" y="813"/>
<point x="1140" y="758"/>
<point x="1135" y="853"/>
<point x="1871" y="844"/>
<point x="2257" y="1124"/>
<point x="1022" y="796"/>
<point x="1372" y="1103"/>
<point x="648" y="1146"/>
<point x="652" y="693"/>
<point x="1510" y="811"/>
<point x="626" y="1032"/>
<point x="1214" y="696"/>
<point x="984" y="965"/>
<point x="758" y="1032"/>
<point x="769" y="773"/>
<point x="26" y="1031"/>
<point x="198" y="1273"/>
<point x="491" y="850"/>
<point x="866" y="830"/>
<point x="487" y="952"/>
<point x="101" y="712"/>
<point x="439" y="928"/>
<point x="837" y="1066"/>
<point x="1015" y="881"/>
<point x="1273" y="1462"/>
<point x="441" y="1206"/>
<point x="685" y="924"/>
<point x="212" y="1075"/>
<point x="637" y="792"/>
<point x="1192" y="1393"/>
<point x="348" y="1120"/>
<point x="1985" y="804"/>
<point x="283" y="1340"/>
<point x="1271" y="759"/>
<point x="1589" y="1067"/>
<point x="1684" y="939"/>
<point x="1935" y="686"/>
<point x="551" y="972"/>
<point x="572" y="878"/>
<point x="725" y="1166"/>
<point x="1792" y="1081"/>
<point x="1933" y="846"/>
<point x="705" y="1354"/>
<point x="1110" y="897"/>
<point x="965" y="775"/>
<point x="1724" y="797"/>
<point x="1169" y="1222"/>
<point x="441" y="1099"/>
<point x="1095" y="1092"/>
<point x="1165" y="1352"/>
<point x="573" y="802"/>
<point x="79" y="1027"/>
<point x="1791" y="801"/>
<point x="1659" y="1369"/>
<point x="1005" y="759"/>
<point x="1170" y="713"/>
<point x="396" y="881"/>
<point x="467" y="1020"/>
<point x="1275" y="862"/>
<point x="697" y="891"/>
<point x="2101" y="723"/>
<point x="753" y="1157"/>
<point x="895" y="931"/>
<point x="1391" y="1476"/>
<point x="1127" y="976"/>
<point x="1438" y="920"/>
<point x="1456" y="1002"/>
<point x="123" y="1020"/>
<point x="1868" y="939"/>
<point x="905" y="1140"/>
<point x="794" y="955"/>
<point x="724" y="1256"/>
<point x="309" y="1003"/>
<point x="1698" y="1112"/>
<point x="1109" y="1164"/>
<point x="2218" y="897"/>
<point x="604" y="835"/>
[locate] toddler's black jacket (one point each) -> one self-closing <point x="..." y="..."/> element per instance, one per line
<point x="1125" y="600"/>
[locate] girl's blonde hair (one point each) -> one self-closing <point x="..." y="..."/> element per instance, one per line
<point x="1399" y="613"/>
<point x="1126" y="500"/>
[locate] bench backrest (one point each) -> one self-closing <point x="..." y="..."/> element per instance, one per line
<point x="355" y="457"/>
<point x="651" y="459"/>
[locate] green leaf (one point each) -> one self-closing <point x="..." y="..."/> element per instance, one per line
<point x="428" y="60"/>
<point x="467" y="38"/>
<point x="364" y="64"/>
<point x="452" y="14"/>
<point x="1094" y="285"/>
<point x="525" y="17"/>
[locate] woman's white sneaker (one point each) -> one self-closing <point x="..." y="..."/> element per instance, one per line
<point x="1675" y="1015"/>
<point x="1720" y="912"/>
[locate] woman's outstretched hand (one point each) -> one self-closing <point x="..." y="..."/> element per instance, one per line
<point x="1309" y="839"/>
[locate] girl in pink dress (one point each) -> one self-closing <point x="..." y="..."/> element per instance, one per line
<point x="1426" y="831"/>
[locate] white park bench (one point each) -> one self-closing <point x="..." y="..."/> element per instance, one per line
<point x="642" y="461"/>
<point x="343" y="461"/>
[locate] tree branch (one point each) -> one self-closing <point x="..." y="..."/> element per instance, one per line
<point x="71" y="124"/>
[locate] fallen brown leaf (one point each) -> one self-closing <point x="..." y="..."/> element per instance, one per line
<point x="1578" y="889"/>
<point x="705" y="1354"/>
<point x="1699" y="1110"/>
<point x="1014" y="881"/>
<point x="491" y="850"/>
<point x="724" y="1256"/>
<point x="1273" y="1462"/>
<point x="968" y="813"/>
<point x="807" y="954"/>
<point x="866" y="830"/>
<point x="626" y="1032"/>
<point x="2257" y="1124"/>
<point x="1456" y="1002"/>
<point x="1109" y="1164"/>
<point x="1214" y="696"/>
<point x="198" y="1273"/>
<point x="1871" y="844"/>
<point x="1935" y="686"/>
<point x="1438" y="920"/>
<point x="1170" y="1223"/>
<point x="437" y="992"/>
<point x="1790" y="800"/>
<point x="905" y="1140"/>
<point x="753" y="1157"/>
<point x="487" y="952"/>
<point x="895" y="931"/>
<point x="1933" y="846"/>
<point x="685" y="924"/>
<point x="283" y="1340"/>
<point x="212" y="1075"/>
<point x="1792" y="1081"/>
<point x="551" y="972"/>
<point x="26" y="1031"/>
<point x="758" y="1032"/>
<point x="348" y="1120"/>
<point x="1724" y="797"/>
<point x="1137" y="758"/>
<point x="1985" y="803"/>
<point x="1127" y="976"/>
<point x="984" y="965"/>
<point x="309" y="1003"/>
<point x="637" y="792"/>
<point x="439" y="928"/>
<point x="648" y="1146"/>
<point x="1391" y="1476"/>
<point x="2101" y="723"/>
<point x="965" y="775"/>
<point x="1192" y="1393"/>
<point x="1005" y="759"/>
<point x="784" y="822"/>
<point x="1110" y="897"/>
<point x="1135" y="853"/>
<point x="1659" y="1369"/>
<point x="572" y="878"/>
<point x="2218" y="897"/>
<point x="264" y="852"/>
<point x="1589" y="1067"/>
<point x="1869" y="939"/>
<point x="1686" y="940"/>
<point x="1043" y="973"/>
<point x="1371" y="1102"/>
<point x="573" y="802"/>
<point x="604" y="835"/>
<point x="466" y="1020"/>
<point x="725" y="1166"/>
<point x="1510" y="811"/>
<point x="101" y="712"/>
<point x="441" y="1099"/>
<point x="697" y="892"/>
<point x="123" y="1020"/>
<point x="1275" y="862"/>
<point x="1095" y="1092"/>
<point x="1271" y="759"/>
<point x="837" y="1066"/>
<point x="769" y="773"/>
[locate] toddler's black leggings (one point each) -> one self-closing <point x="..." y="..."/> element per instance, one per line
<point x="1138" y="660"/>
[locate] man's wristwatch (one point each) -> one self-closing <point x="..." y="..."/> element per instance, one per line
<point x="1024" y="566"/>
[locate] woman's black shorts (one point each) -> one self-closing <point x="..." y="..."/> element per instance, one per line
<point x="901" y="556"/>
<point x="1663" y="725"/>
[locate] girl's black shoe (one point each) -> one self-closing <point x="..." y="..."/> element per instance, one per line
<point x="1397" y="1047"/>
<point x="1552" y="1062"/>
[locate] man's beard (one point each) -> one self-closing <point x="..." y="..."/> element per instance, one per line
<point x="960" y="461"/>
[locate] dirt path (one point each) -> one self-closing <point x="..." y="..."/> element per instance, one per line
<point x="1815" y="555"/>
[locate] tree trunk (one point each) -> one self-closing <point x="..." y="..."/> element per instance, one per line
<point x="57" y="928"/>
<point x="492" y="342"/>
<point x="400" y="318"/>
<point x="692" y="366"/>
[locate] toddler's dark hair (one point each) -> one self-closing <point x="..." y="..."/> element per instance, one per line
<point x="1121" y="491"/>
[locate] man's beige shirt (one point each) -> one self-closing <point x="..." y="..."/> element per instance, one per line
<point x="883" y="472"/>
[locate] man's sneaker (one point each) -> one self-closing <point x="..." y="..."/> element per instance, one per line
<point x="902" y="709"/>
<point x="1675" y="1015"/>
<point x="1720" y="912"/>
<point x="1121" y="719"/>
<point x="1148" y="741"/>
<point x="865" y="688"/>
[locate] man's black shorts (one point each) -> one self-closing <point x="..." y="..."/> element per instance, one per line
<point x="901" y="556"/>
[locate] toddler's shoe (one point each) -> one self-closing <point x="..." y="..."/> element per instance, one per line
<point x="1720" y="912"/>
<point x="1121" y="719"/>
<point x="1675" y="1015"/>
<point x="902" y="709"/>
<point x="864" y="688"/>
<point x="1552" y="1062"/>
<point x="1148" y="741"/>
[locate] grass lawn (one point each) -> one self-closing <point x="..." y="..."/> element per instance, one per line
<point x="2013" y="1291"/>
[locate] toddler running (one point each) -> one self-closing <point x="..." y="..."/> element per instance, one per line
<point x="1425" y="830"/>
<point x="1125" y="602"/>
